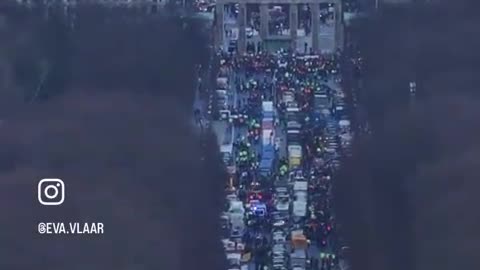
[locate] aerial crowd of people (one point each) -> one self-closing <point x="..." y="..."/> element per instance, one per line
<point x="291" y="127"/>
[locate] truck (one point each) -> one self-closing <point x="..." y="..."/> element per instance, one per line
<point x="299" y="210"/>
<point x="227" y="156"/>
<point x="293" y="117"/>
<point x="268" y="127"/>
<point x="339" y="109"/>
<point x="294" y="136"/>
<point x="267" y="106"/>
<point x="288" y="96"/>
<point x="344" y="125"/>
<point x="300" y="195"/>
<point x="298" y="259"/>
<point x="300" y="185"/>
<point x="268" y="115"/>
<point x="294" y="155"/>
<point x="268" y="131"/>
<point x="268" y="137"/>
<point x="236" y="262"/>
<point x="236" y="215"/>
<point x="321" y="101"/>
<point x="232" y="246"/>
<point x="299" y="241"/>
<point x="266" y="163"/>
<point x="321" y="107"/>
<point x="222" y="83"/>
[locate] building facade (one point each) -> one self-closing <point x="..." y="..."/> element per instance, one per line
<point x="301" y="25"/>
<point x="137" y="7"/>
<point x="107" y="2"/>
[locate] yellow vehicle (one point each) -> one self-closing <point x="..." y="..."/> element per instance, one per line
<point x="231" y="184"/>
<point x="294" y="156"/>
<point x="294" y="162"/>
<point x="246" y="257"/>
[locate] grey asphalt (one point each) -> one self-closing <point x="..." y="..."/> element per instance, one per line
<point x="313" y="250"/>
<point x="343" y="265"/>
<point x="221" y="127"/>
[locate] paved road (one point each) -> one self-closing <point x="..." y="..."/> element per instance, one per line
<point x="280" y="134"/>
<point x="201" y="105"/>
<point x="226" y="132"/>
<point x="314" y="251"/>
<point x="343" y="265"/>
<point x="242" y="97"/>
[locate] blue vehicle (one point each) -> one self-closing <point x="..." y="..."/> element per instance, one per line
<point x="258" y="209"/>
<point x="268" y="115"/>
<point x="266" y="164"/>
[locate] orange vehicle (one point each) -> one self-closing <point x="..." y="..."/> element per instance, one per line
<point x="231" y="183"/>
<point x="299" y="241"/>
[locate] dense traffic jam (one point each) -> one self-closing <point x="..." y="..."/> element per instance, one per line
<point x="289" y="127"/>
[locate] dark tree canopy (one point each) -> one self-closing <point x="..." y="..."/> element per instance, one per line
<point x="114" y="122"/>
<point x="407" y="197"/>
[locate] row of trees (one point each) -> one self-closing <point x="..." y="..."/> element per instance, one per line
<point x="94" y="46"/>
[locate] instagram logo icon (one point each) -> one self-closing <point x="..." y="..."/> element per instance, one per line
<point x="51" y="191"/>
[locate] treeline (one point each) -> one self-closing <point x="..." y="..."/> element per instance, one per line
<point x="407" y="193"/>
<point x="94" y="47"/>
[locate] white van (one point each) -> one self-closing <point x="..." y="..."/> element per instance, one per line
<point x="299" y="209"/>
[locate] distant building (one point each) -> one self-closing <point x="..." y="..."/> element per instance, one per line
<point x="106" y="2"/>
<point x="396" y="1"/>
<point x="140" y="6"/>
<point x="301" y="25"/>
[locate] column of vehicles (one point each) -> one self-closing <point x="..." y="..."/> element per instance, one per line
<point x="295" y="207"/>
<point x="290" y="245"/>
<point x="225" y="99"/>
<point x="220" y="99"/>
<point x="246" y="211"/>
<point x="244" y="219"/>
<point x="289" y="250"/>
<point x="329" y="116"/>
<point x="331" y="138"/>
<point x="233" y="225"/>
<point x="314" y="136"/>
<point x="233" y="218"/>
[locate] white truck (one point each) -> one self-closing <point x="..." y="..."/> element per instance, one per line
<point x="267" y="106"/>
<point x="299" y="210"/>
<point x="282" y="202"/>
<point x="222" y="83"/>
<point x="234" y="261"/>
<point x="344" y="125"/>
<point x="288" y="96"/>
<point x="300" y="192"/>
<point x="236" y="213"/>
<point x="300" y="185"/>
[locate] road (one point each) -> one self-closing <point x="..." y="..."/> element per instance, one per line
<point x="200" y="105"/>
<point x="242" y="131"/>
<point x="227" y="133"/>
<point x="343" y="265"/>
